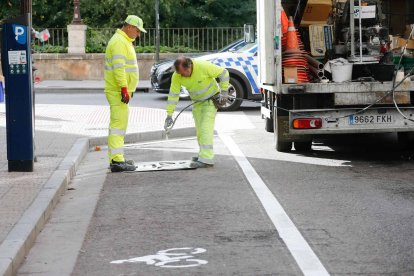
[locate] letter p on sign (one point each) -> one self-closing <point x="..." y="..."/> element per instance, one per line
<point x="20" y="33"/>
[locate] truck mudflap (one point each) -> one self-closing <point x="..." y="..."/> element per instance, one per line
<point x="337" y="121"/>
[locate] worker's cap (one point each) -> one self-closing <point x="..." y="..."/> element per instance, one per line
<point x="136" y="22"/>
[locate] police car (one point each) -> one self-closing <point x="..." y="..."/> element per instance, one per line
<point x="241" y="62"/>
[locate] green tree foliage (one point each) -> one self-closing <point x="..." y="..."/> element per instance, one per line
<point x="52" y="13"/>
<point x="46" y="13"/>
<point x="209" y="13"/>
<point x="9" y="8"/>
<point x="110" y="13"/>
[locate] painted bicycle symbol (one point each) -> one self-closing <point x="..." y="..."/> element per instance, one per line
<point x="170" y="258"/>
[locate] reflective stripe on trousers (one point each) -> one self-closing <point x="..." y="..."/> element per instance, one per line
<point x="117" y="126"/>
<point x="204" y="114"/>
<point x="115" y="131"/>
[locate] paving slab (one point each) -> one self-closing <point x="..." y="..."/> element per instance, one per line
<point x="80" y="86"/>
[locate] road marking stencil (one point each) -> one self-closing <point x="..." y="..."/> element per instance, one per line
<point x="303" y="254"/>
<point x="170" y="258"/>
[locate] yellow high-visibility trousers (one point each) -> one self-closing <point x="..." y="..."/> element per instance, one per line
<point x="204" y="114"/>
<point x="117" y="126"/>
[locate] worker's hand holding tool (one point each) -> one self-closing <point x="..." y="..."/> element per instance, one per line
<point x="125" y="95"/>
<point x="168" y="123"/>
<point x="224" y="95"/>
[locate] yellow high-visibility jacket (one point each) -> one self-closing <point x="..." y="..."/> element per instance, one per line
<point x="121" y="67"/>
<point x="201" y="85"/>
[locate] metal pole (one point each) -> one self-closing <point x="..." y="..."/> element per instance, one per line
<point x="360" y="31"/>
<point x="352" y="27"/>
<point x="25" y="6"/>
<point x="157" y="30"/>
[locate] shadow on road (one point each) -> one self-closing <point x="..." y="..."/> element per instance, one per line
<point x="362" y="147"/>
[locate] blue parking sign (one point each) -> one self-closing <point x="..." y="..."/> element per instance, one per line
<point x="20" y="33"/>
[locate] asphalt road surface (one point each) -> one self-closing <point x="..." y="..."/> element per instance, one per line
<point x="345" y="208"/>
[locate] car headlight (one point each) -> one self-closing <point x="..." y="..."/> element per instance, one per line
<point x="169" y="69"/>
<point x="153" y="68"/>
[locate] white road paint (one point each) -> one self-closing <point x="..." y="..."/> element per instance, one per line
<point x="170" y="258"/>
<point x="303" y="254"/>
<point x="163" y="166"/>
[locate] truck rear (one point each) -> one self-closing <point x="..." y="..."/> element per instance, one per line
<point x="377" y="97"/>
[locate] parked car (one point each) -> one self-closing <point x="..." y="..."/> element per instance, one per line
<point x="239" y="58"/>
<point x="161" y="72"/>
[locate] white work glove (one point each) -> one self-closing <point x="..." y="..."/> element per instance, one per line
<point x="168" y="123"/>
<point x="224" y="95"/>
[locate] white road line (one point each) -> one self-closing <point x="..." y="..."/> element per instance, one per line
<point x="303" y="254"/>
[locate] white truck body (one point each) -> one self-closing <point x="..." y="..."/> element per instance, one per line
<point x="338" y="106"/>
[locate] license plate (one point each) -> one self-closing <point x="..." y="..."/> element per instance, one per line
<point x="370" y="119"/>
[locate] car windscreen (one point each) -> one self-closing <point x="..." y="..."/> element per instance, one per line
<point x="247" y="47"/>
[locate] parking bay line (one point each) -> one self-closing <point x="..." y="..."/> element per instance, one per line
<point x="303" y="254"/>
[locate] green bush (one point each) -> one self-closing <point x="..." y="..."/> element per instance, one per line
<point x="47" y="48"/>
<point x="96" y="41"/>
<point x="165" y="49"/>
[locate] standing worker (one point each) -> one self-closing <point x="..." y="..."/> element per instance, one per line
<point x="199" y="78"/>
<point x="121" y="80"/>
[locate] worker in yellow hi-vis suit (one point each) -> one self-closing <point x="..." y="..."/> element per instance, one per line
<point x="121" y="80"/>
<point x="199" y="78"/>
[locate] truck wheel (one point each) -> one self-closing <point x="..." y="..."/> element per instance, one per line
<point x="282" y="146"/>
<point x="269" y="127"/>
<point x="406" y="140"/>
<point x="303" y="146"/>
<point x="269" y="102"/>
<point x="235" y="90"/>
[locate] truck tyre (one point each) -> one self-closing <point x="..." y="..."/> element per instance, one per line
<point x="303" y="146"/>
<point x="235" y="90"/>
<point x="281" y="146"/>
<point x="406" y="140"/>
<point x="269" y="102"/>
<point x="269" y="127"/>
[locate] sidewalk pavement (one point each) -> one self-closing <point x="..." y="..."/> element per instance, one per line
<point x="59" y="149"/>
<point x="83" y="86"/>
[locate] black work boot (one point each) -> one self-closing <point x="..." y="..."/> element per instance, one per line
<point x="194" y="158"/>
<point x="198" y="164"/>
<point x="122" y="167"/>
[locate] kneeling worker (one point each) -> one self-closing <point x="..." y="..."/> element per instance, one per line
<point x="199" y="78"/>
<point x="121" y="80"/>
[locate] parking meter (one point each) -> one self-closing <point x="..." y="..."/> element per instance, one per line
<point x="17" y="70"/>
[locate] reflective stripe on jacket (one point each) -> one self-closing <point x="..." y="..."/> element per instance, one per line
<point x="121" y="68"/>
<point x="201" y="85"/>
